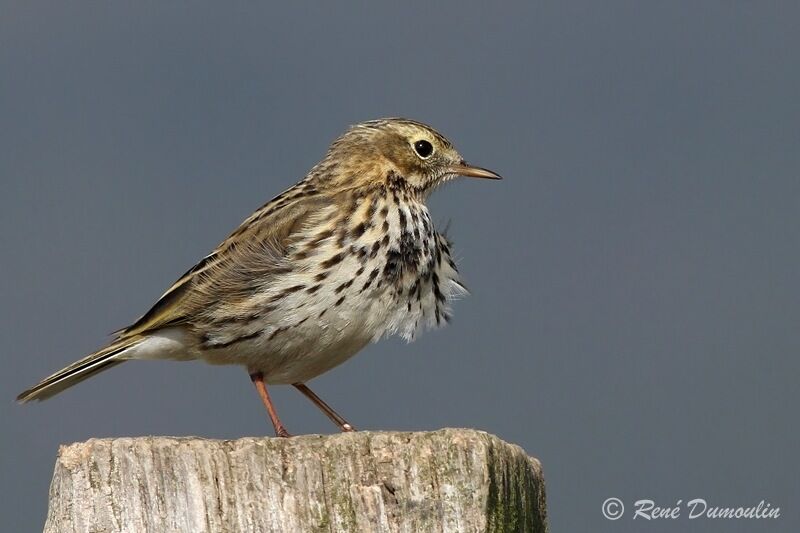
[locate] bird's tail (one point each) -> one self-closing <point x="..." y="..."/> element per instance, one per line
<point x="80" y="370"/>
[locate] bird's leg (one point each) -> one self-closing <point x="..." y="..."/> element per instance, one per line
<point x="258" y="380"/>
<point x="343" y="424"/>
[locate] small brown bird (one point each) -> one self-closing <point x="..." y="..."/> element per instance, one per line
<point x="345" y="257"/>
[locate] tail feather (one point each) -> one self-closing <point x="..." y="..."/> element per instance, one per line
<point x="78" y="371"/>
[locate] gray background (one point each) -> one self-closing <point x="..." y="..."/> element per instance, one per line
<point x="635" y="300"/>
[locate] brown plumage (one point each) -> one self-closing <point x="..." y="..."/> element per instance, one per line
<point x="344" y="257"/>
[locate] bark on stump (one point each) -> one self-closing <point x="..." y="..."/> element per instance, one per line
<point x="448" y="480"/>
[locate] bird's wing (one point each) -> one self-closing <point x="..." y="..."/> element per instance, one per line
<point x="253" y="254"/>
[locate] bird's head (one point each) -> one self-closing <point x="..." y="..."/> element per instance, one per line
<point x="396" y="148"/>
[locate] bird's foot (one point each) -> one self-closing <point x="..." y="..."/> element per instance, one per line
<point x="280" y="431"/>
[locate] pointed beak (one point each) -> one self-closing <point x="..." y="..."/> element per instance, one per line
<point x="463" y="169"/>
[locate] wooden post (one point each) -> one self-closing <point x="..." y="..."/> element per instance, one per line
<point x="451" y="480"/>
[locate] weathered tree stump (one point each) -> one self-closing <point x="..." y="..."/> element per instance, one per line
<point x="448" y="480"/>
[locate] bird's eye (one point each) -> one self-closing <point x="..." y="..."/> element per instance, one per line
<point x="423" y="148"/>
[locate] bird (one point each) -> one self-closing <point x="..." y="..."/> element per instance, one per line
<point x="345" y="257"/>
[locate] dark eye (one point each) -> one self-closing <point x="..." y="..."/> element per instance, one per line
<point x="423" y="148"/>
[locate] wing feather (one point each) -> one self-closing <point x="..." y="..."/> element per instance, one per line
<point x="248" y="259"/>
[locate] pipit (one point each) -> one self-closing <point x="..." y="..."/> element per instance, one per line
<point x="346" y="256"/>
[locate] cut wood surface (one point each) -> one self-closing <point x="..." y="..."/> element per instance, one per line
<point x="451" y="480"/>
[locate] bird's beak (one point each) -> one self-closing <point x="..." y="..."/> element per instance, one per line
<point x="463" y="169"/>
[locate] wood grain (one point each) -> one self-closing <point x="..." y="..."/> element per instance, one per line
<point x="451" y="480"/>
